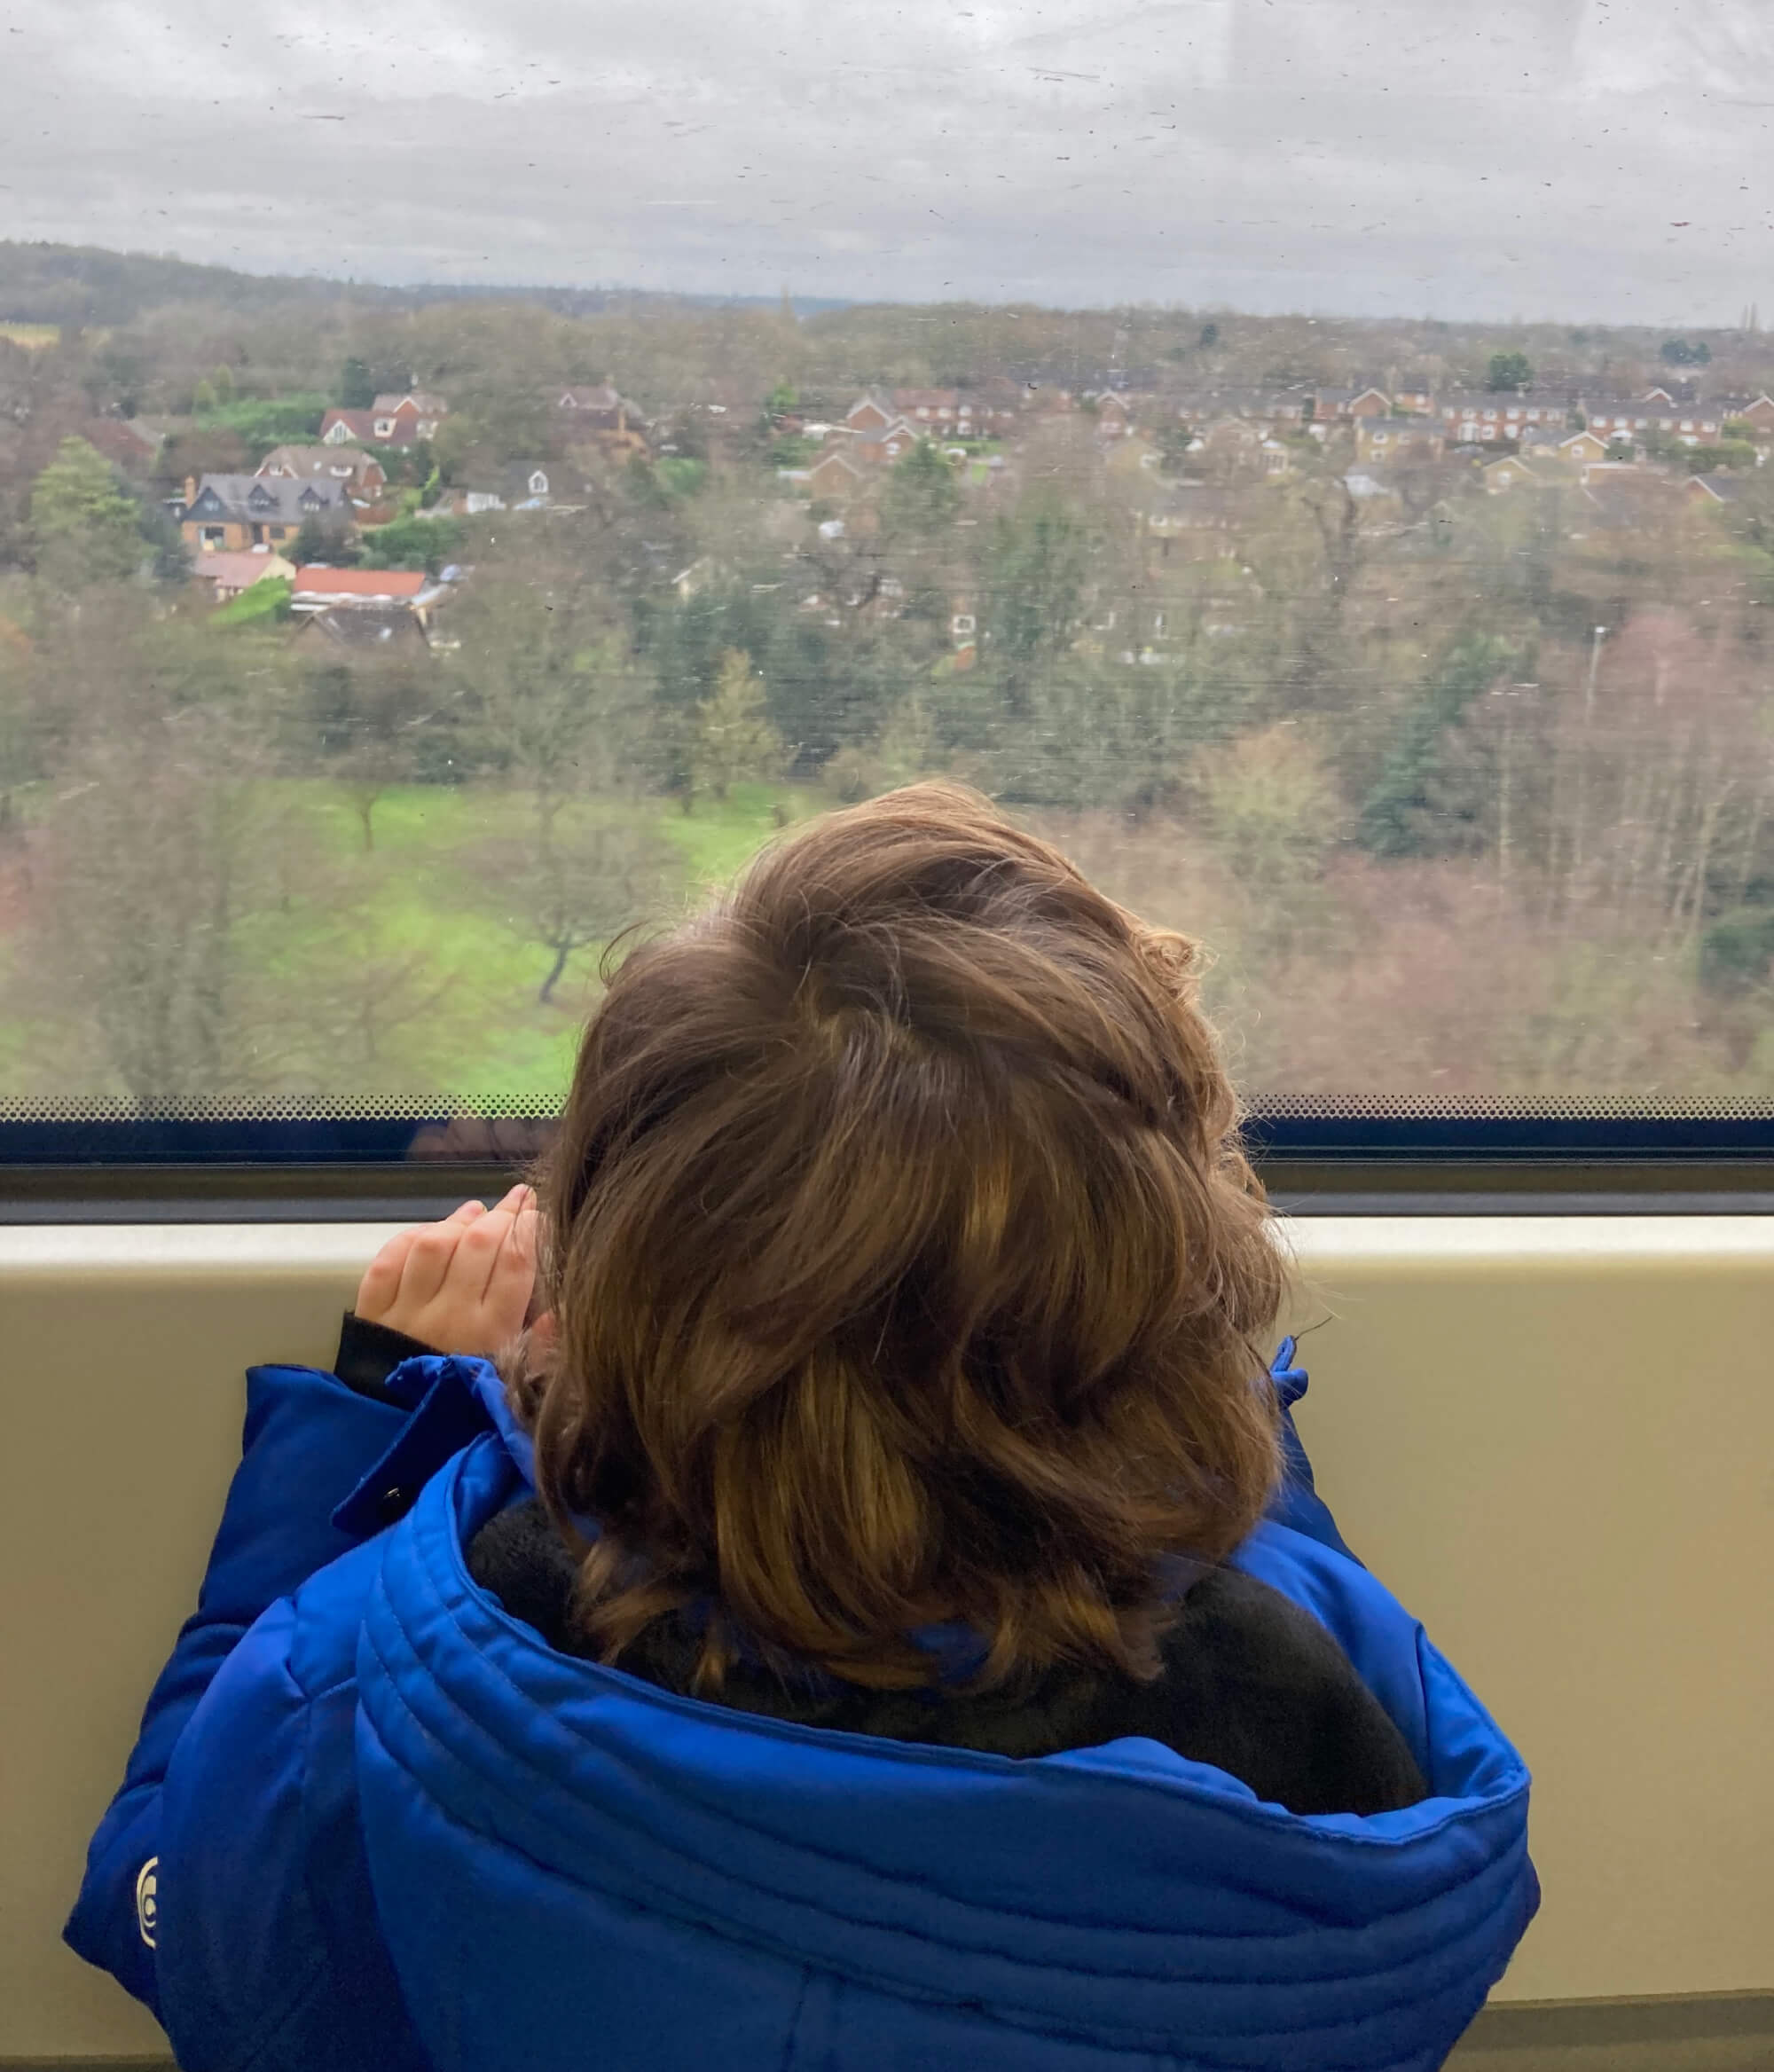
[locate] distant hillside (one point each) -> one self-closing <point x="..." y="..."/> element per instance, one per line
<point x="81" y="284"/>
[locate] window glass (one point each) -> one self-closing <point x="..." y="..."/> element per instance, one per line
<point x="468" y="477"/>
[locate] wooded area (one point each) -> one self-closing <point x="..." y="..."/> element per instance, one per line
<point x="1470" y="794"/>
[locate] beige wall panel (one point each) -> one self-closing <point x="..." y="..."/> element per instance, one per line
<point x="1553" y="1438"/>
<point x="124" y="1350"/>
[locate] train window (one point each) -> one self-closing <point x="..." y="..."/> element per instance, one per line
<point x="467" y="478"/>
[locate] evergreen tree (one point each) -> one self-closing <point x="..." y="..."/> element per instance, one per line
<point x="1509" y="370"/>
<point x="920" y="500"/>
<point x="317" y="541"/>
<point x="1401" y="815"/>
<point x="734" y="740"/>
<point x="85" y="527"/>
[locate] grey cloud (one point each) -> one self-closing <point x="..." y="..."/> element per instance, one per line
<point x="1530" y="156"/>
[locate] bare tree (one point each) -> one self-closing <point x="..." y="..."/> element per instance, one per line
<point x="572" y="881"/>
<point x="147" y="852"/>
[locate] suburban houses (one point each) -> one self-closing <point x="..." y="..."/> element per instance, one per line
<point x="235" y="512"/>
<point x="361" y="473"/>
<point x="1196" y="461"/>
<point x="608" y="420"/>
<point x="390" y="420"/>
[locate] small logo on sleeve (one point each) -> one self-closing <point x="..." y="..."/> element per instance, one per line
<point x="147" y="1899"/>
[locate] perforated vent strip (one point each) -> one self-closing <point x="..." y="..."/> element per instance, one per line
<point x="1277" y="1108"/>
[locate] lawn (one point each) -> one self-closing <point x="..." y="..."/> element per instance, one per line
<point x="395" y="971"/>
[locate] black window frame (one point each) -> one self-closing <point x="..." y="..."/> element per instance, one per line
<point x="1315" y="1162"/>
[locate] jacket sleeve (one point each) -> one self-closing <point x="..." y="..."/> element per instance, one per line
<point x="308" y="1441"/>
<point x="1296" y="1503"/>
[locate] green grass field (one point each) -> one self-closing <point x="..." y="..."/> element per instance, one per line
<point x="395" y="971"/>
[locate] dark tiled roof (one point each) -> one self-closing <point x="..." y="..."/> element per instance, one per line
<point x="248" y="499"/>
<point x="367" y="628"/>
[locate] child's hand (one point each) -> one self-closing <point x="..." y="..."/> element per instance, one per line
<point x="462" y="1285"/>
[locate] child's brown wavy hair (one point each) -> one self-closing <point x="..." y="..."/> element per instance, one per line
<point x="906" y="1264"/>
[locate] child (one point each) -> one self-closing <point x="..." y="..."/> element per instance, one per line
<point x="884" y="1619"/>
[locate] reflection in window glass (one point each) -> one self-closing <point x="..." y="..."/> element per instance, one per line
<point x="467" y="478"/>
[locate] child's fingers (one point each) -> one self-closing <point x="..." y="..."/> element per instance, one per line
<point x="517" y="1253"/>
<point x="434" y="1246"/>
<point x="509" y="1286"/>
<point x="514" y="1271"/>
<point x="485" y="1249"/>
<point x="381" y="1282"/>
<point x="480" y="1243"/>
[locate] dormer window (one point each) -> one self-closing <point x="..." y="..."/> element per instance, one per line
<point x="384" y="428"/>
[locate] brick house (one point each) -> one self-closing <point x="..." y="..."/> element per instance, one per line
<point x="1693" y="424"/>
<point x="954" y="413"/>
<point x="1393" y="438"/>
<point x="870" y="415"/>
<point x="1512" y="471"/>
<point x="347" y="428"/>
<point x="362" y="474"/>
<point x="404" y="420"/>
<point x="877" y="448"/>
<point x="1581" y="446"/>
<point x="391" y="421"/>
<point x="1484" y="418"/>
<point x="231" y="514"/>
<point x="1289" y="408"/>
<point x="833" y="478"/>
<point x="1342" y="404"/>
<point x="932" y="410"/>
<point x="608" y="417"/>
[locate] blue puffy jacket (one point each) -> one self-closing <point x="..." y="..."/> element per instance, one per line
<point x="373" y="1821"/>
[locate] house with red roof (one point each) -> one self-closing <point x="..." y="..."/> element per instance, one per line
<point x="346" y="427"/>
<point x="318" y="589"/>
<point x="390" y="420"/>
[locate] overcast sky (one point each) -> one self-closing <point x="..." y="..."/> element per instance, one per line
<point x="1601" y="159"/>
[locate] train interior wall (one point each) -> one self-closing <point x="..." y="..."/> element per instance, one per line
<point x="1552" y="1437"/>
